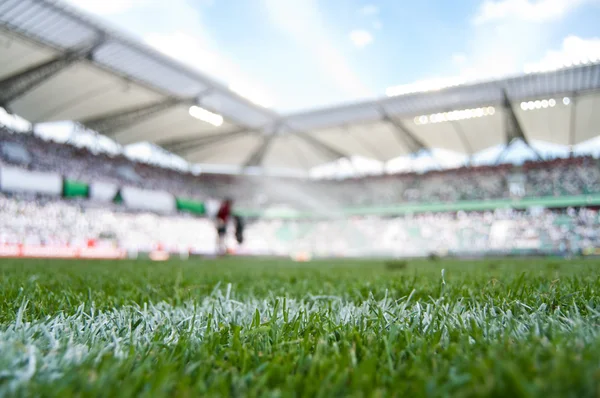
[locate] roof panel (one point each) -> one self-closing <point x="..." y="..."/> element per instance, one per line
<point x="60" y="26"/>
<point x="587" y="121"/>
<point x="174" y="121"/>
<point x="380" y="139"/>
<point x="443" y="101"/>
<point x="345" y="140"/>
<point x="484" y="132"/>
<point x="439" y="135"/>
<point x="233" y="151"/>
<point x="546" y="124"/>
<point x="562" y="82"/>
<point x="132" y="62"/>
<point x="168" y="125"/>
<point x="337" y="117"/>
<point x="85" y="92"/>
<point x="289" y="151"/>
<point x="17" y="55"/>
<point x="10" y="9"/>
<point x="46" y="23"/>
<point x="70" y="83"/>
<point x="227" y="105"/>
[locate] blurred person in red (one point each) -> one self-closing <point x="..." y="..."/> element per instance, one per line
<point x="223" y="217"/>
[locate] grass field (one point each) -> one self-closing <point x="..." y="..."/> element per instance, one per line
<point x="238" y="327"/>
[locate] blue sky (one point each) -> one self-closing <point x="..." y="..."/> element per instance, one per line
<point x="299" y="54"/>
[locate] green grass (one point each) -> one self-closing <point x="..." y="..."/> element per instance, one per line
<point x="244" y="327"/>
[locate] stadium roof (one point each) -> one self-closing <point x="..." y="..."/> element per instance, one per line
<point x="57" y="63"/>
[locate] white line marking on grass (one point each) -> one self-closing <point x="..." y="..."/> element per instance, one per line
<point x="44" y="348"/>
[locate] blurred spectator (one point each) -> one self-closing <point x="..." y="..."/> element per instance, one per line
<point x="37" y="221"/>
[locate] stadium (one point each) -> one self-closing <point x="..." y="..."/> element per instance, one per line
<point x="437" y="241"/>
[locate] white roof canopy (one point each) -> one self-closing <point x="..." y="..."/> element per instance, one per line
<point x="57" y="63"/>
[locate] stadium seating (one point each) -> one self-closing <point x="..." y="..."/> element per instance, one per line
<point x="37" y="221"/>
<point x="43" y="221"/>
<point x="559" y="177"/>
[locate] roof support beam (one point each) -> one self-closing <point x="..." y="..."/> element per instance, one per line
<point x="375" y="152"/>
<point x="462" y="137"/>
<point x="256" y="157"/>
<point x="185" y="146"/>
<point x="326" y="149"/>
<point x="512" y="129"/>
<point x="403" y="134"/>
<point x="572" y="123"/>
<point x="109" y="124"/>
<point x="196" y="153"/>
<point x="19" y="84"/>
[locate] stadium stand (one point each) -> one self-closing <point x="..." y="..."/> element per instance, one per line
<point x="38" y="220"/>
<point x="553" y="178"/>
<point x="51" y="222"/>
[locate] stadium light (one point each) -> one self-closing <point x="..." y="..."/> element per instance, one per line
<point x="566" y="100"/>
<point x="541" y="104"/>
<point x="206" y="116"/>
<point x="463" y="114"/>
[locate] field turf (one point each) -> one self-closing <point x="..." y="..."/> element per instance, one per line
<point x="239" y="327"/>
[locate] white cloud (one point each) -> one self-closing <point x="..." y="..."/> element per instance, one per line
<point x="369" y="9"/>
<point x="515" y="37"/>
<point x="302" y="21"/>
<point x="507" y="34"/>
<point x="107" y="7"/>
<point x="360" y="38"/>
<point x="503" y="47"/>
<point x="574" y="51"/>
<point x="191" y="50"/>
<point x="527" y="10"/>
<point x="459" y="58"/>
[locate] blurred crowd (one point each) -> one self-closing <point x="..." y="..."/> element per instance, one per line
<point x="50" y="222"/>
<point x="54" y="222"/>
<point x="502" y="231"/>
<point x="573" y="176"/>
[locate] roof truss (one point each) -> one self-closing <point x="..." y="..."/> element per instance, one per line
<point x="110" y="123"/>
<point x="17" y="85"/>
